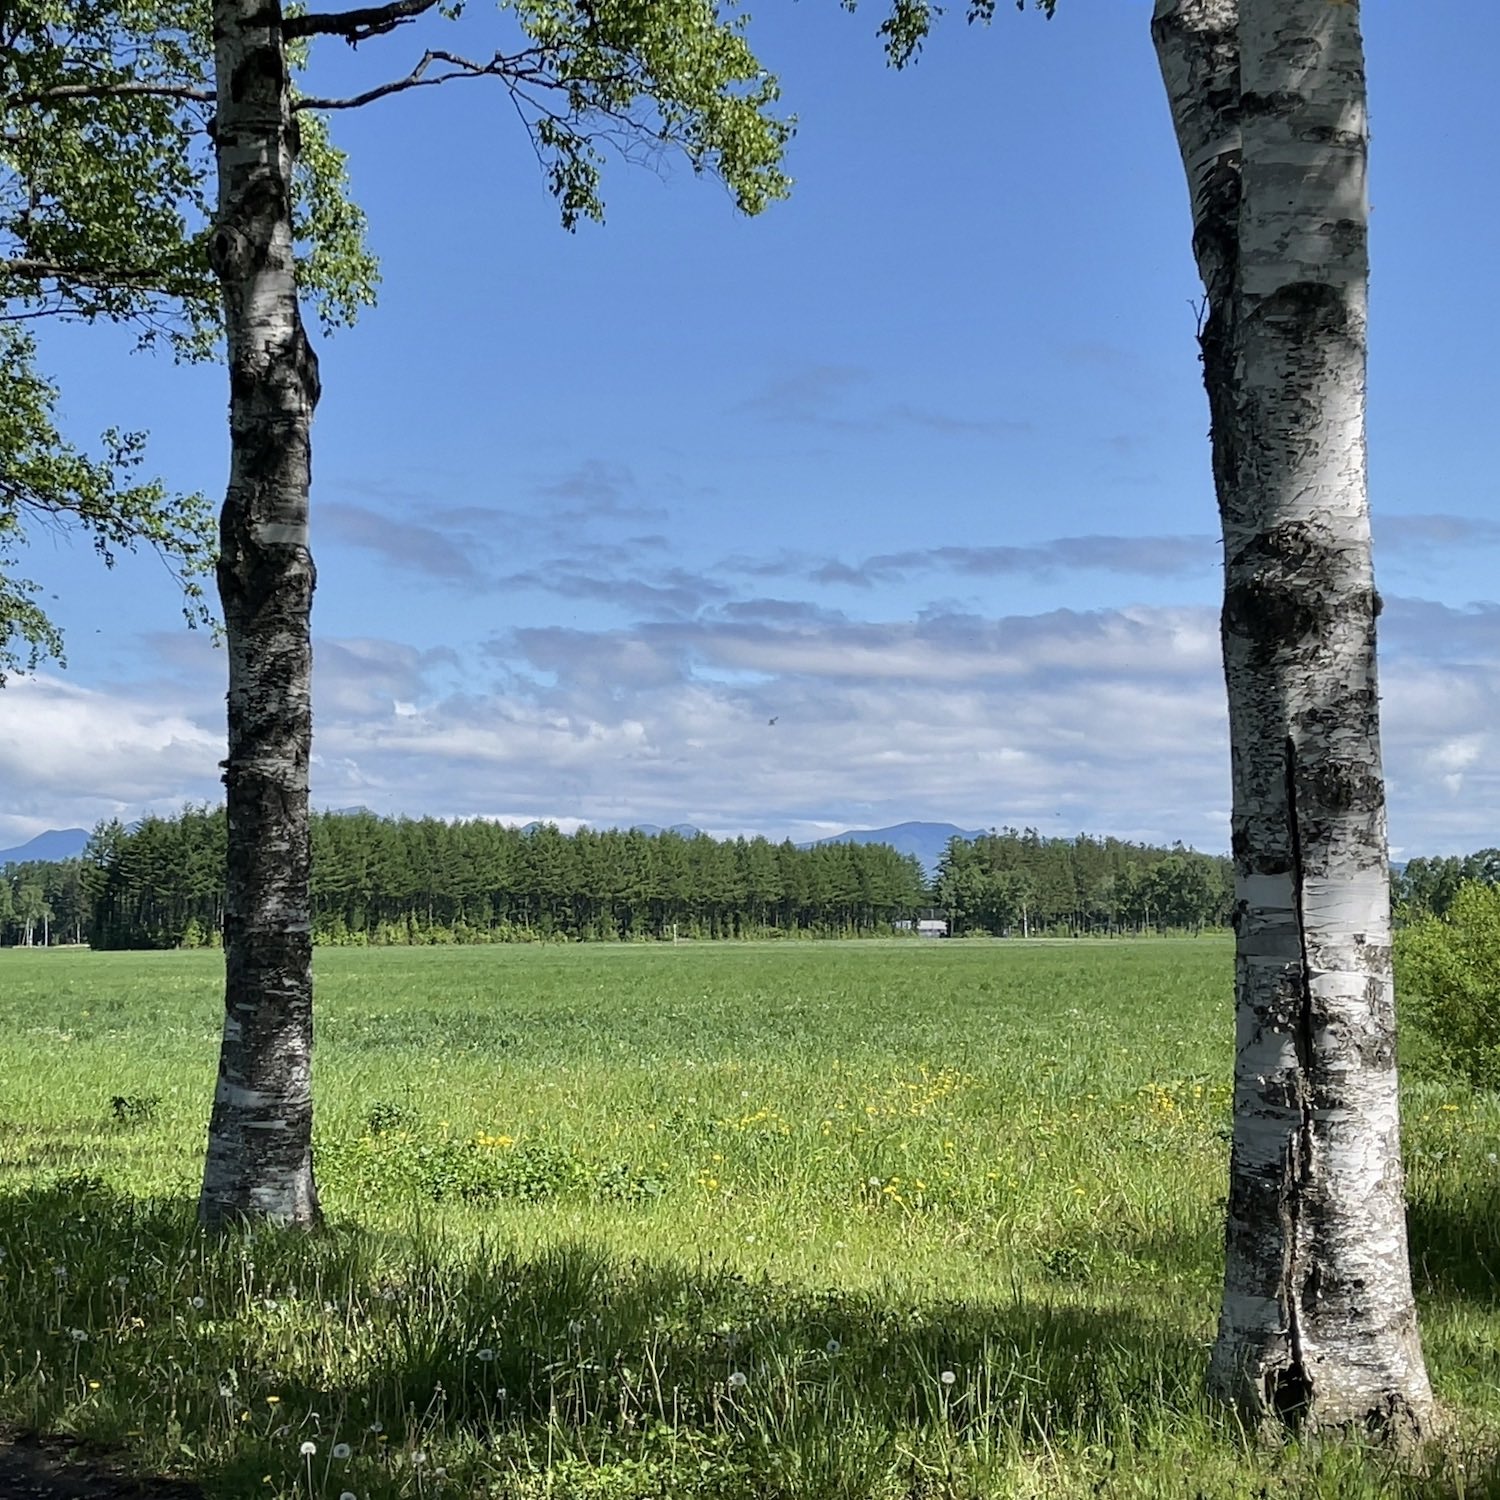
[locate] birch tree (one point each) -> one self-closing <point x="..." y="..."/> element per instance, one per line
<point x="585" y="76"/>
<point x="1318" y="1324"/>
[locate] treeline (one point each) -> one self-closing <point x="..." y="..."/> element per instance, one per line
<point x="404" y="880"/>
<point x="1017" y="882"/>
<point x="43" y="901"/>
<point x="159" y="884"/>
<point x="1426" y="887"/>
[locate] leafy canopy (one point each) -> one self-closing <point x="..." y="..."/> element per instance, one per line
<point x="105" y="206"/>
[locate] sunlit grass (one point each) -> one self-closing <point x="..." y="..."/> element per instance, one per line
<point x="705" y="1220"/>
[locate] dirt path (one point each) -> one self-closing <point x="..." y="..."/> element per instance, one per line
<point x="41" y="1469"/>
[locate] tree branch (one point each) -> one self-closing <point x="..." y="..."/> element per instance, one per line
<point x="356" y="26"/>
<point x="96" y="276"/>
<point x="517" y="67"/>
<point x="114" y="90"/>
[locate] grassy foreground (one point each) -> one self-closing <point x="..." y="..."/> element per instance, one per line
<point x="868" y="1220"/>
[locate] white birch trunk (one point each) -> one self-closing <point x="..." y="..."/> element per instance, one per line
<point x="259" y="1161"/>
<point x="1318" y="1327"/>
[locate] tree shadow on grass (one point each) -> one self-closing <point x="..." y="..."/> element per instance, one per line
<point x="1453" y="1225"/>
<point x="513" y="1369"/>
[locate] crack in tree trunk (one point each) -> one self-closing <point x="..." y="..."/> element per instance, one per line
<point x="1289" y="1389"/>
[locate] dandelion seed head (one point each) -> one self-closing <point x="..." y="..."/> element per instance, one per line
<point x="947" y="1377"/>
<point x="308" y="1449"/>
<point x="348" y="1495"/>
<point x="486" y="1355"/>
<point x="199" y="1302"/>
<point x="80" y="1336"/>
<point x="833" y="1346"/>
<point x="738" y="1381"/>
<point x="341" y="1450"/>
<point x="377" y="1427"/>
<point x="419" y="1457"/>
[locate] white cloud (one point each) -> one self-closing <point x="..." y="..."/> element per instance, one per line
<point x="785" y="721"/>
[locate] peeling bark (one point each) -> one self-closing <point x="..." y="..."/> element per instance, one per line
<point x="259" y="1161"/>
<point x="1318" y="1327"/>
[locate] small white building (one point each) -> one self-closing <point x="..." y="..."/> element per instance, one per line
<point x="932" y="927"/>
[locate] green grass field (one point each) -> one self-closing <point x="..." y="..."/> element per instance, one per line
<point x="867" y="1220"/>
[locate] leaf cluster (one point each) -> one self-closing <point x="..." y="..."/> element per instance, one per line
<point x="46" y="480"/>
<point x="106" y="172"/>
<point x="637" y="79"/>
<point x="909" y="23"/>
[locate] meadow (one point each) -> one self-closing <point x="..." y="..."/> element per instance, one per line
<point x="868" y="1220"/>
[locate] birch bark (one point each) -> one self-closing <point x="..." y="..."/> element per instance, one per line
<point x="259" y="1160"/>
<point x="1318" y="1325"/>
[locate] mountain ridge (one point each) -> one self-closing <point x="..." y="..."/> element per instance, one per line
<point x="53" y="844"/>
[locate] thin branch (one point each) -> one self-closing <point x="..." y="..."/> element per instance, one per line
<point x="356" y="26"/>
<point x="518" y="66"/>
<point x="115" y="90"/>
<point x="26" y="269"/>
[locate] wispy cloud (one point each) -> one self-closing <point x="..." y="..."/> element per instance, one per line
<point x="819" y="396"/>
<point x="1172" y="556"/>
<point x="451" y="556"/>
<point x="670" y="592"/>
<point x="1434" y="532"/>
<point x="595" y="490"/>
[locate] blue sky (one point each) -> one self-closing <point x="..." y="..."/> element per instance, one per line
<point x="914" y="464"/>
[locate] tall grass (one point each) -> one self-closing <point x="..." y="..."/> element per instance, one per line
<point x="874" y="1220"/>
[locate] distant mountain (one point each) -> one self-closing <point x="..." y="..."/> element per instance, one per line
<point x="56" y="843"/>
<point x="926" y="840"/>
<point x="683" y="830"/>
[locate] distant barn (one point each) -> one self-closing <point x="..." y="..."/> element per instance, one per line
<point x="929" y="927"/>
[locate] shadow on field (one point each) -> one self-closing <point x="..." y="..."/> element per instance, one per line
<point x="1454" y="1230"/>
<point x="420" y="1339"/>
<point x="505" y="1365"/>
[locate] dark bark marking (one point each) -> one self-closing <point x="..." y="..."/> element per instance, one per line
<point x="260" y="65"/>
<point x="1313" y="307"/>
<point x="1269" y="613"/>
